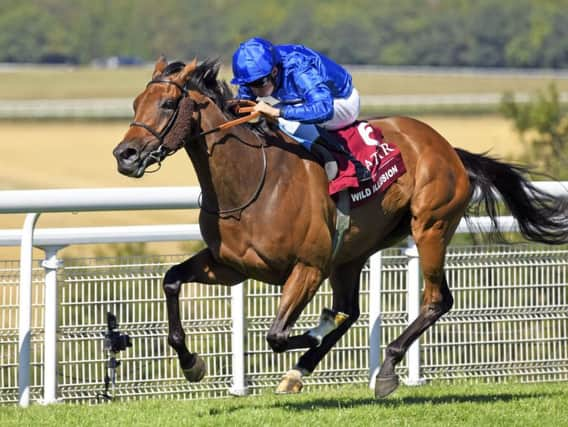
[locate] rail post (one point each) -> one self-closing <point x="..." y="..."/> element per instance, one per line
<point x="238" y="387"/>
<point x="413" y="310"/>
<point x="25" y="314"/>
<point x="50" y="264"/>
<point x="375" y="289"/>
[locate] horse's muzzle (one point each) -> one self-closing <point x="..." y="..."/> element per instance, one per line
<point x="128" y="158"/>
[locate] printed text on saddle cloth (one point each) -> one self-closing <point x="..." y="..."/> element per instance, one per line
<point x="380" y="157"/>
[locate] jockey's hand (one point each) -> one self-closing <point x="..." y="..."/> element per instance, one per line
<point x="267" y="109"/>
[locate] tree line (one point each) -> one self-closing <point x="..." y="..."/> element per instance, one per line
<point x="542" y="126"/>
<point x="481" y="33"/>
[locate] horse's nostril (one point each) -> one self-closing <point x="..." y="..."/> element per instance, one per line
<point x="128" y="154"/>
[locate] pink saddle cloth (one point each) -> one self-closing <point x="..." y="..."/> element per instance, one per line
<point x="383" y="160"/>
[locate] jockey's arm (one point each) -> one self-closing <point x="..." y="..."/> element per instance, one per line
<point x="318" y="101"/>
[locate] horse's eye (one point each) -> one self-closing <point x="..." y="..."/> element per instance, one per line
<point x="169" y="104"/>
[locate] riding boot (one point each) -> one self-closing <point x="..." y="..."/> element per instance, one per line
<point x="325" y="157"/>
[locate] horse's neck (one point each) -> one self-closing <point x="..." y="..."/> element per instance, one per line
<point x="230" y="165"/>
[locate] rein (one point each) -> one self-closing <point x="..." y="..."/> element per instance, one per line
<point x="162" y="151"/>
<point x="227" y="125"/>
<point x="231" y="123"/>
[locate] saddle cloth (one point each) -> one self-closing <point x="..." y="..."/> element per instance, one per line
<point x="368" y="146"/>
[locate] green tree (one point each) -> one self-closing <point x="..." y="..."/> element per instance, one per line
<point x="543" y="128"/>
<point x="490" y="33"/>
<point x="30" y="33"/>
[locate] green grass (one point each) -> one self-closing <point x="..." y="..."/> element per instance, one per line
<point x="87" y="82"/>
<point x="431" y="405"/>
<point x="71" y="83"/>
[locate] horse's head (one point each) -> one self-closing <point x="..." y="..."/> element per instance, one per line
<point x="148" y="139"/>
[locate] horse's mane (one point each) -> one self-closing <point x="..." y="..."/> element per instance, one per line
<point x="204" y="79"/>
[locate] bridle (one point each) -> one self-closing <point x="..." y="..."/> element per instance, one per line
<point x="161" y="152"/>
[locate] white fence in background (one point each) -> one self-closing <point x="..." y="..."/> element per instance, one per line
<point x="122" y="107"/>
<point x="509" y="319"/>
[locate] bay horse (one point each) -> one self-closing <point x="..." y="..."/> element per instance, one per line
<point x="266" y="213"/>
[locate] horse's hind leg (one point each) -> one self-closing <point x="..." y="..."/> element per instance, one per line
<point x="200" y="268"/>
<point x="431" y="237"/>
<point x="345" y="285"/>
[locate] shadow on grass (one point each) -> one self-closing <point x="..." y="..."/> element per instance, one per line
<point x="405" y="401"/>
<point x="343" y="403"/>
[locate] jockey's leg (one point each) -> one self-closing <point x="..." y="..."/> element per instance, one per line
<point x="305" y="134"/>
<point x="309" y="137"/>
<point x="345" y="112"/>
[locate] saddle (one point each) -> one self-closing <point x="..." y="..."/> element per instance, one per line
<point x="365" y="163"/>
<point x="327" y="144"/>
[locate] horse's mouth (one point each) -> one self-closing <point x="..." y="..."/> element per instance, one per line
<point x="137" y="167"/>
<point x="137" y="172"/>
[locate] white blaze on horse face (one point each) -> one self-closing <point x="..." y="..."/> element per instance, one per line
<point x="365" y="130"/>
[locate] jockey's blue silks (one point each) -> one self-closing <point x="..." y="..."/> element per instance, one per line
<point x="307" y="82"/>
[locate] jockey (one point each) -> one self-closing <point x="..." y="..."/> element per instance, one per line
<point x="297" y="85"/>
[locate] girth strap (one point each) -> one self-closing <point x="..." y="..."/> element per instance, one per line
<point x="342" y="221"/>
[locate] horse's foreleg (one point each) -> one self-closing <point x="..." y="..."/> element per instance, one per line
<point x="200" y="268"/>
<point x="297" y="292"/>
<point x="344" y="282"/>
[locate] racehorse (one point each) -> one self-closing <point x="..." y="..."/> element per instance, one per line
<point x="266" y="212"/>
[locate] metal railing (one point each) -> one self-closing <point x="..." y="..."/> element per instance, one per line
<point x="509" y="321"/>
<point x="122" y="107"/>
<point x="145" y="198"/>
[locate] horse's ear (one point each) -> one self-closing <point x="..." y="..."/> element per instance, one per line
<point x="159" y="67"/>
<point x="188" y="69"/>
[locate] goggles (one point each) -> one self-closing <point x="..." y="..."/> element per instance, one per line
<point x="263" y="81"/>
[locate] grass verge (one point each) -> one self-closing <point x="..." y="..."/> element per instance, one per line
<point x="432" y="405"/>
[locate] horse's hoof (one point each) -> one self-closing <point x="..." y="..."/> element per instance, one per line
<point x="385" y="385"/>
<point x="291" y="383"/>
<point x="196" y="372"/>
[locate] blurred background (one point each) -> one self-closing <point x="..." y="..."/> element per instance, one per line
<point x="489" y="75"/>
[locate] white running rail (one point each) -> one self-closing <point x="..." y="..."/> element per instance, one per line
<point x="35" y="202"/>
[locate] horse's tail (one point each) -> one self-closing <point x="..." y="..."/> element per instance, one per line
<point x="542" y="217"/>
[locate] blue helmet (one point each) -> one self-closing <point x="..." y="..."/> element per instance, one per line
<point x="253" y="60"/>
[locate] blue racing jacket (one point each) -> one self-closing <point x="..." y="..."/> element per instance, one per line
<point x="306" y="85"/>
